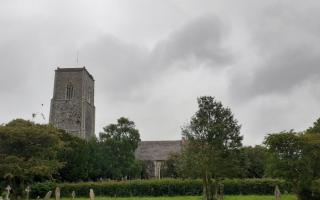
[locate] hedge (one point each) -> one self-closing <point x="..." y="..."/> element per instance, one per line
<point x="163" y="187"/>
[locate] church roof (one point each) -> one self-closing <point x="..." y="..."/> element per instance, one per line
<point x="157" y="150"/>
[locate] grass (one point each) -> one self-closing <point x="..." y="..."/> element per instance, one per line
<point x="244" y="197"/>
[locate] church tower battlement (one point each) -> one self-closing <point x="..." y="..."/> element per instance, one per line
<point x="72" y="105"/>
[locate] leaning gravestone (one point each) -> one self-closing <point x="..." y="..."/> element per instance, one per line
<point x="8" y="188"/>
<point x="277" y="193"/>
<point x="28" y="190"/>
<point x="57" y="193"/>
<point x="48" y="195"/>
<point x="91" y="194"/>
<point x="73" y="194"/>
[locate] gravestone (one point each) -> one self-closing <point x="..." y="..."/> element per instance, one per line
<point x="8" y="188"/>
<point x="28" y="190"/>
<point x="73" y="194"/>
<point x="91" y="194"/>
<point x="1" y="198"/>
<point x="57" y="193"/>
<point x="277" y="193"/>
<point x="48" y="195"/>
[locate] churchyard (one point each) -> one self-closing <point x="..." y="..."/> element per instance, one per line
<point x="91" y="195"/>
<point x="213" y="164"/>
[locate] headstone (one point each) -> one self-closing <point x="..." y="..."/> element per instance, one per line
<point x="8" y="188"/>
<point x="277" y="193"/>
<point x="28" y="190"/>
<point x="91" y="194"/>
<point x="1" y="198"/>
<point x="57" y="193"/>
<point x="73" y="194"/>
<point x="48" y="195"/>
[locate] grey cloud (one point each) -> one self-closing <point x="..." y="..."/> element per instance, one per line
<point x="126" y="69"/>
<point x="287" y="45"/>
<point x="202" y="39"/>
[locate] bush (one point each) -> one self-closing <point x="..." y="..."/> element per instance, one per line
<point x="163" y="187"/>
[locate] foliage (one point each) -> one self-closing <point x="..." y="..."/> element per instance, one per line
<point x="254" y="161"/>
<point x="75" y="156"/>
<point x="213" y="145"/>
<point x="110" y="157"/>
<point x="162" y="187"/>
<point x="118" y="143"/>
<point x="315" y="129"/>
<point x="28" y="152"/>
<point x="295" y="157"/>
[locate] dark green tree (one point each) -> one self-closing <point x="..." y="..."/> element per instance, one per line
<point x="28" y="152"/>
<point x="295" y="158"/>
<point x="254" y="161"/>
<point x="75" y="156"/>
<point x="315" y="129"/>
<point x="118" y="144"/>
<point x="213" y="146"/>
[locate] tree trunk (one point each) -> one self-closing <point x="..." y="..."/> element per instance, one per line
<point x="209" y="189"/>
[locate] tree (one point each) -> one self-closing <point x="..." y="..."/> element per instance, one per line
<point x="295" y="158"/>
<point x="213" y="145"/>
<point x="315" y="129"/>
<point x="254" y="161"/>
<point x="28" y="152"/>
<point x="118" y="143"/>
<point x="75" y="156"/>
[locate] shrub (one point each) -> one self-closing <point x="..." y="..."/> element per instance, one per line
<point x="163" y="187"/>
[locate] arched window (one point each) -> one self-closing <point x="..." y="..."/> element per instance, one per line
<point x="69" y="91"/>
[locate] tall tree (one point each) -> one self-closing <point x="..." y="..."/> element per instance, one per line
<point x="119" y="142"/>
<point x="28" y="152"/>
<point x="213" y="145"/>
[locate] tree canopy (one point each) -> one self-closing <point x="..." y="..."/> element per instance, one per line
<point x="213" y="144"/>
<point x="118" y="143"/>
<point x="295" y="158"/>
<point x="28" y="152"/>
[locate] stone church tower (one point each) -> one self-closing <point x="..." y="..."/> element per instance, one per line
<point x="72" y="106"/>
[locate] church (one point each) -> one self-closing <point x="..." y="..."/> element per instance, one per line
<point x="72" y="109"/>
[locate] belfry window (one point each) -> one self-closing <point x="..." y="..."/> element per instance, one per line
<point x="69" y="91"/>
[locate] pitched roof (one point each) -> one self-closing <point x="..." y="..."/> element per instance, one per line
<point x="157" y="150"/>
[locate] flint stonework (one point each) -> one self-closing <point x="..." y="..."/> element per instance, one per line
<point x="72" y="106"/>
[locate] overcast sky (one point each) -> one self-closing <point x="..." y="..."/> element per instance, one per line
<point x="152" y="59"/>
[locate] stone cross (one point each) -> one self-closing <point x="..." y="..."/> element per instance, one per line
<point x="277" y="193"/>
<point x="28" y="190"/>
<point x="57" y="193"/>
<point x="8" y="188"/>
<point x="73" y="194"/>
<point x="48" y="195"/>
<point x="91" y="194"/>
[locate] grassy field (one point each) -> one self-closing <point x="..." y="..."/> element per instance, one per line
<point x="244" y="197"/>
